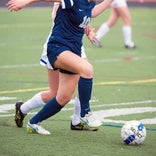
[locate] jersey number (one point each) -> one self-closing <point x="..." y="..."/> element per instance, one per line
<point x="85" y="22"/>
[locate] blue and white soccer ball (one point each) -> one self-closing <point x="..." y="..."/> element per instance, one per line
<point x="133" y="132"/>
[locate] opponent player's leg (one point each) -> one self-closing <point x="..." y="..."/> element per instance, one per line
<point x="38" y="100"/>
<point x="105" y="27"/>
<point x="124" y="13"/>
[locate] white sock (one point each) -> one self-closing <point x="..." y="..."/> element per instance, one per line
<point x="35" y="102"/>
<point x="76" y="117"/>
<point x="102" y="31"/>
<point x="127" y="35"/>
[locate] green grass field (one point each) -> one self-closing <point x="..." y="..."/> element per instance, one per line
<point x="124" y="80"/>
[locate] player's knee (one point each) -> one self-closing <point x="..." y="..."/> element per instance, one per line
<point x="63" y="99"/>
<point x="87" y="71"/>
<point x="52" y="93"/>
<point x="128" y="21"/>
<point x="47" y="95"/>
<point x="112" y="22"/>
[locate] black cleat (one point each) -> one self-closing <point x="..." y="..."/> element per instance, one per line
<point x="83" y="127"/>
<point x="19" y="116"/>
<point x="130" y="47"/>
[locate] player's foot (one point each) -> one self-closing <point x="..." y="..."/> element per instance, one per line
<point x="36" y="128"/>
<point x="90" y="120"/>
<point x="96" y="43"/>
<point x="82" y="127"/>
<point x="19" y="116"/>
<point x="132" y="46"/>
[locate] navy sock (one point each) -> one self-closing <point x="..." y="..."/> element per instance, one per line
<point x="85" y="90"/>
<point x="51" y="108"/>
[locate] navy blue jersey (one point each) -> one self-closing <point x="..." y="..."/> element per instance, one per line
<point x="71" y="19"/>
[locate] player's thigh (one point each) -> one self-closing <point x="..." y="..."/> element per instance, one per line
<point x="124" y="13"/>
<point x="67" y="85"/>
<point x="113" y="17"/>
<point x="53" y="79"/>
<point x="71" y="62"/>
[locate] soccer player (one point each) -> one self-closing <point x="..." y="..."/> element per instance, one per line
<point x="64" y="53"/>
<point x="41" y="98"/>
<point x="119" y="9"/>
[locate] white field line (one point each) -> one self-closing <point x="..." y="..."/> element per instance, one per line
<point x="3" y="98"/>
<point x="104" y="115"/>
<point x="18" y="66"/>
<point x="6" y="107"/>
<point x="121" y="60"/>
<point x="125" y="103"/>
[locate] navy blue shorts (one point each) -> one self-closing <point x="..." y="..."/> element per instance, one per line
<point x="53" y="50"/>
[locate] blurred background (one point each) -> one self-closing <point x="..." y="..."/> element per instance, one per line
<point x="146" y="3"/>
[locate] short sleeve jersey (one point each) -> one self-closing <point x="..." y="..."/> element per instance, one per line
<point x="71" y="19"/>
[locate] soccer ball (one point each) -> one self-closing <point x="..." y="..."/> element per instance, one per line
<point x="133" y="132"/>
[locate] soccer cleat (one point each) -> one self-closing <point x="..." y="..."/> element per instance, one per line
<point x="36" y="128"/>
<point x="96" y="43"/>
<point x="130" y="46"/>
<point x="19" y="116"/>
<point x="82" y="127"/>
<point x="90" y="120"/>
